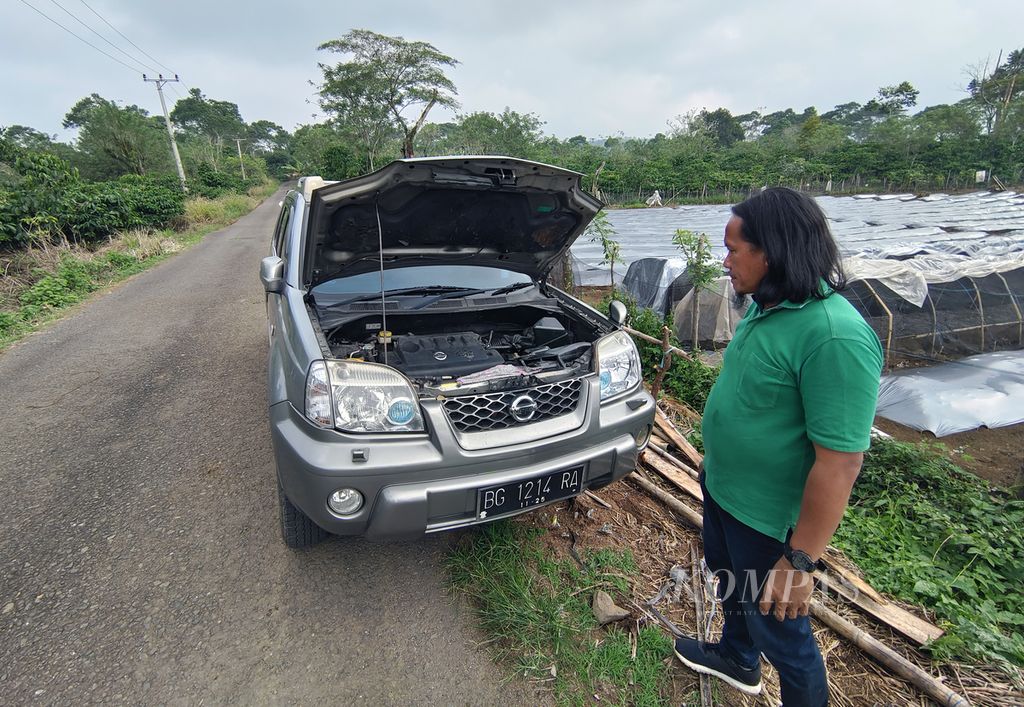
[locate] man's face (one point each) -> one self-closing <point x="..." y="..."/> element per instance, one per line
<point x="746" y="264"/>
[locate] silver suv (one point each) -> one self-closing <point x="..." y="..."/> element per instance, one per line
<point x="423" y="375"/>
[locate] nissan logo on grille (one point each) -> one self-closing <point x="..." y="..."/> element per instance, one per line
<point x="523" y="408"/>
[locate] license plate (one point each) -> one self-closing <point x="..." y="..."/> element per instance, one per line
<point x="496" y="501"/>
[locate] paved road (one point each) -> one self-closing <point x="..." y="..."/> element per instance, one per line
<point x="139" y="552"/>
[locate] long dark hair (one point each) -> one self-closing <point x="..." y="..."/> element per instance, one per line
<point x="792" y="231"/>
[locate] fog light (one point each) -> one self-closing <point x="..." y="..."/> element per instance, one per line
<point x="642" y="437"/>
<point x="345" y="502"/>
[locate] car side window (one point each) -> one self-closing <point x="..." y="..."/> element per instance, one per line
<point x="281" y="232"/>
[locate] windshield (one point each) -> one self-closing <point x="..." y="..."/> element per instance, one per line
<point x="467" y="276"/>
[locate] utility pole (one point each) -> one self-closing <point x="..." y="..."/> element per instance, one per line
<point x="238" y="144"/>
<point x="160" y="81"/>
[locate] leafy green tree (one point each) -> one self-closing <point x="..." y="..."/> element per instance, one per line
<point x="600" y="230"/>
<point x="206" y="126"/>
<point x="113" y="140"/>
<point x="702" y="268"/>
<point x="896" y="100"/>
<point x="198" y="115"/>
<point x="265" y="137"/>
<point x="510" y="133"/>
<point x="382" y="80"/>
<point x="993" y="92"/>
<point x="724" y="128"/>
<point x="27" y="138"/>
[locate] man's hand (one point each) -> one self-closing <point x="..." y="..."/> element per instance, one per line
<point x="788" y="589"/>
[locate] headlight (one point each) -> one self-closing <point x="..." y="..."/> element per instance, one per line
<point x="618" y="364"/>
<point x="361" y="397"/>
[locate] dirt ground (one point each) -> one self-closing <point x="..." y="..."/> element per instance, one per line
<point x="995" y="455"/>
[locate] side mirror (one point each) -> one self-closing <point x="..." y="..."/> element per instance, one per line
<point x="272" y="274"/>
<point x="617" y="312"/>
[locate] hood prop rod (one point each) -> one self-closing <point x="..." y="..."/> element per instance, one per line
<point x="383" y="305"/>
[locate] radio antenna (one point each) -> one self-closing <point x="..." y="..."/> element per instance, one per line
<point x="385" y="334"/>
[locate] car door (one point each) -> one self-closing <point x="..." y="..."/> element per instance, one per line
<point x="278" y="322"/>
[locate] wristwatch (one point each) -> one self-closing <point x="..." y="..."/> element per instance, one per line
<point x="799" y="559"/>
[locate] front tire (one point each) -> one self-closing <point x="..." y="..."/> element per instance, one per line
<point x="297" y="530"/>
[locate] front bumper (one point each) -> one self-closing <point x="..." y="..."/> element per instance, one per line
<point x="422" y="483"/>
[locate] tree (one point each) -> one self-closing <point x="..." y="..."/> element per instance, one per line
<point x="896" y="100"/>
<point x="602" y="231"/>
<point x="995" y="92"/>
<point x="199" y="115"/>
<point x="702" y="268"/>
<point x="724" y="128"/>
<point x="113" y="141"/>
<point x="27" y="138"/>
<point x="207" y="124"/>
<point x="382" y="80"/>
<point x="266" y="137"/>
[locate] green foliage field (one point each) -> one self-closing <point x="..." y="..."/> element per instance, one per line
<point x="932" y="534"/>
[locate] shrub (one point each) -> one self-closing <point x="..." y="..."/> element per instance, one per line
<point x="9" y="323"/>
<point x="210" y="183"/>
<point x="92" y="211"/>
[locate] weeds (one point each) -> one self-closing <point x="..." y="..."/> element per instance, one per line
<point x="539" y="609"/>
<point x="928" y="532"/>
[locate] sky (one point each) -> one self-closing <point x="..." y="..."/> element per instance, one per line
<point x="593" y="68"/>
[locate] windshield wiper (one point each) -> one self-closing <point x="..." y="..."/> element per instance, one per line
<point x="511" y="288"/>
<point x="422" y="290"/>
<point x="469" y="292"/>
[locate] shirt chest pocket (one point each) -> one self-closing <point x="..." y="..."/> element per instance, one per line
<point x="761" y="384"/>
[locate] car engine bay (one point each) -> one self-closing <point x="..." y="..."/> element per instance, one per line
<point x="488" y="348"/>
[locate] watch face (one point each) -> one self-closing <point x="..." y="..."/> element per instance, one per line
<point x="800" y="560"/>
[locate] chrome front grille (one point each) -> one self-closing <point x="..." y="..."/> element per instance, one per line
<point x="493" y="411"/>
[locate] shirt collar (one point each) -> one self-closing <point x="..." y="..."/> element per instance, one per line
<point x="787" y="304"/>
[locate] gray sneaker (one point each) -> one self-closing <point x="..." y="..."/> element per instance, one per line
<point x="706" y="658"/>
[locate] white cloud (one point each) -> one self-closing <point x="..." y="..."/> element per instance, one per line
<point x="594" y="67"/>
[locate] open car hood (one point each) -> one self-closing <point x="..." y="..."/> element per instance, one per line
<point x="493" y="211"/>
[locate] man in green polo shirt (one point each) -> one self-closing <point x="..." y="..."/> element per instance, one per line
<point x="785" y="428"/>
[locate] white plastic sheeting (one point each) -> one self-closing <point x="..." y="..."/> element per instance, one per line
<point x="717" y="313"/>
<point x="910" y="278"/>
<point x="872" y="226"/>
<point x="980" y="391"/>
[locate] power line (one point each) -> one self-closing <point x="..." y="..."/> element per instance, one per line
<point x="124" y="37"/>
<point x="109" y="56"/>
<point x="76" y="19"/>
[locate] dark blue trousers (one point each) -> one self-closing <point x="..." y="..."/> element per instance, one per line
<point x="741" y="558"/>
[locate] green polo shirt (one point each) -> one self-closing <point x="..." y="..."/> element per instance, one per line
<point x="793" y="375"/>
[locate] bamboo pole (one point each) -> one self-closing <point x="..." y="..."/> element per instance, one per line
<point x="888" y="337"/>
<point x="889" y="658"/>
<point x="647" y="337"/>
<point x="698" y="604"/>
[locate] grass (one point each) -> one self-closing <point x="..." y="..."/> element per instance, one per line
<point x="40" y="283"/>
<point x="539" y="610"/>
